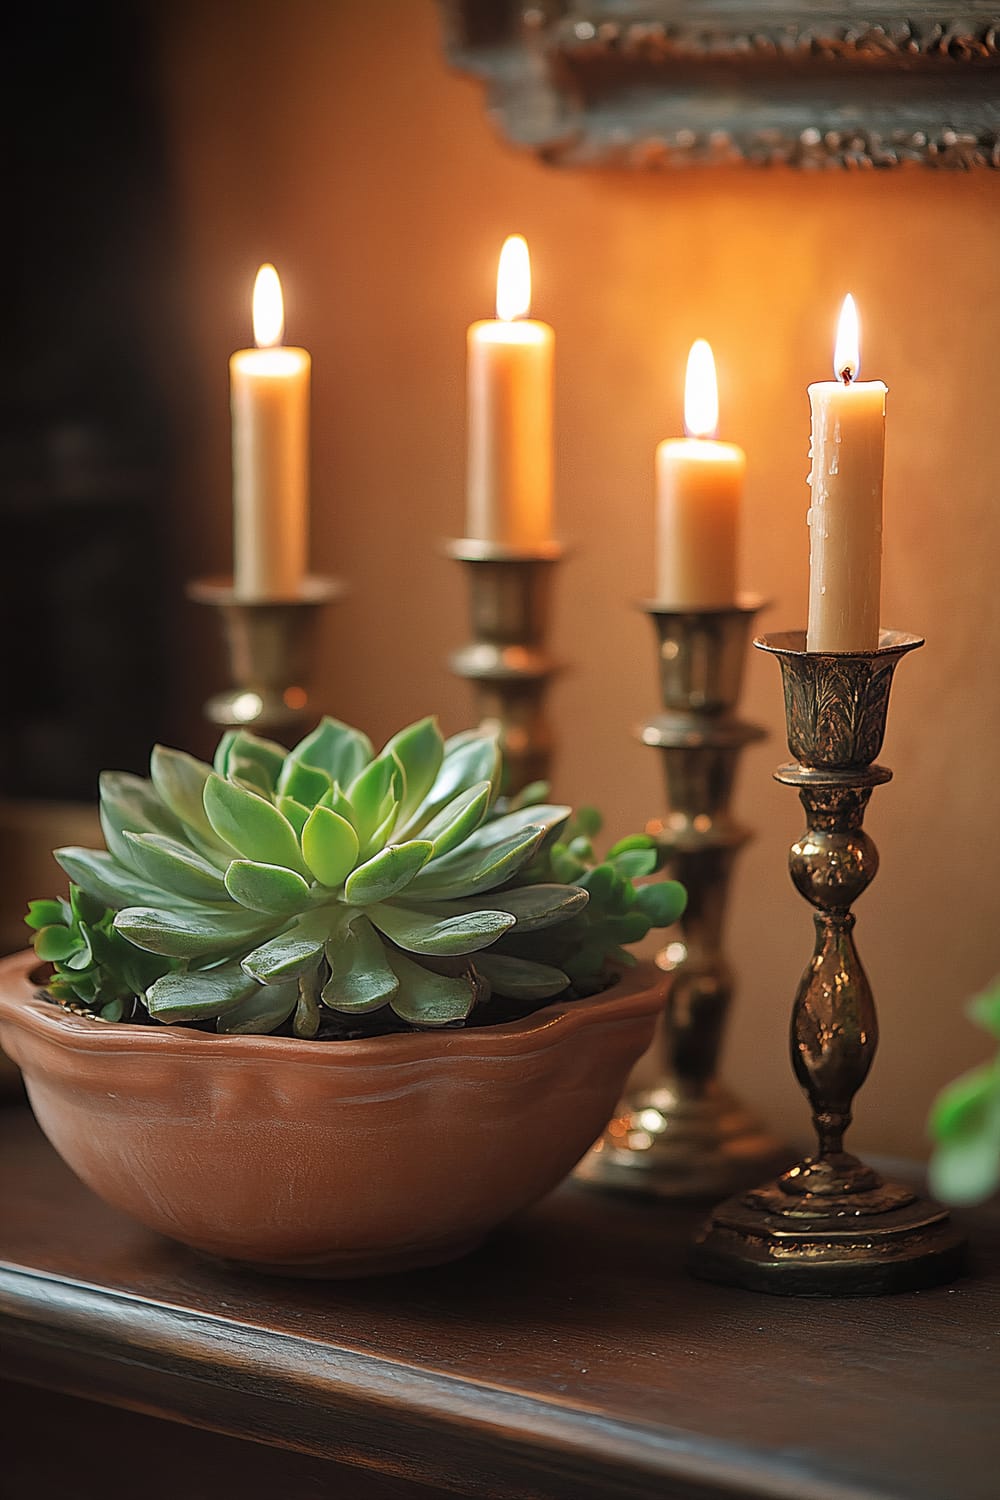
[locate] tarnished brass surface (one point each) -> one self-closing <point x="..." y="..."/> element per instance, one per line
<point x="510" y="595"/>
<point x="831" y="1225"/>
<point x="269" y="644"/>
<point x="684" y="1135"/>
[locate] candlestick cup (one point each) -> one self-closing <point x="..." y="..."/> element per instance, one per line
<point x="831" y="1225"/>
<point x="270" y="646"/>
<point x="685" y="1135"/>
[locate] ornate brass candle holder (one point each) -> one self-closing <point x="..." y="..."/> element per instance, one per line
<point x="831" y="1225"/>
<point x="510" y="592"/>
<point x="270" y="647"/>
<point x="685" y="1135"/>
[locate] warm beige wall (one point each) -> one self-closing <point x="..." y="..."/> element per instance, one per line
<point x="329" y="136"/>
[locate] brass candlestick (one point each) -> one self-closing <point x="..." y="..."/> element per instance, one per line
<point x="831" y="1225"/>
<point x="510" y="591"/>
<point x="270" y="648"/>
<point x="685" y="1135"/>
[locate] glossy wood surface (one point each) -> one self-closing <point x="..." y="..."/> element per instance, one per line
<point x="571" y="1357"/>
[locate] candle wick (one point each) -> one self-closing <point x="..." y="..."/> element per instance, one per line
<point x="846" y="375"/>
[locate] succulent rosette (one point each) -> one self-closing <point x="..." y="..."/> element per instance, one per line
<point x="274" y="887"/>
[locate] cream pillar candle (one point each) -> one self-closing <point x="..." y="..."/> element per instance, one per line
<point x="699" y="484"/>
<point x="845" y="517"/>
<point x="269" y="398"/>
<point x="509" y="489"/>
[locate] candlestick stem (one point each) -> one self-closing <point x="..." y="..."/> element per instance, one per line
<point x="270" y="646"/>
<point x="684" y="1135"/>
<point x="831" y="1225"/>
<point x="510" y="593"/>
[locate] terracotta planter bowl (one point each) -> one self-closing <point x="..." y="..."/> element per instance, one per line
<point x="326" y="1159"/>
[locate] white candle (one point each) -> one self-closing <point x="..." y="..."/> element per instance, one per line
<point x="845" y="517"/>
<point x="269" y="397"/>
<point x="699" y="484"/>
<point x="509" y="489"/>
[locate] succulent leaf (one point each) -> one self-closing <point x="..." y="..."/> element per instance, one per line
<point x="130" y="804"/>
<point x="367" y="795"/>
<point x="532" y="906"/>
<point x="663" y="901"/>
<point x="387" y="873"/>
<point x="337" y="749"/>
<point x="266" y="1008"/>
<point x="521" y="978"/>
<point x="255" y="760"/>
<point x="44" y="913"/>
<point x="307" y="1011"/>
<point x="54" y="942"/>
<point x="200" y="994"/>
<point x="205" y="933"/>
<point x="101" y="876"/>
<point x="547" y="817"/>
<point x="296" y="813"/>
<point x="288" y="955"/>
<point x="458" y="818"/>
<point x="361" y="979"/>
<point x="420" y="931"/>
<point x="467" y="872"/>
<point x="468" y="759"/>
<point x="306" y="784"/>
<point x="164" y="861"/>
<point x="419" y="749"/>
<point x="251" y="826"/>
<point x="266" y="888"/>
<point x="425" y="998"/>
<point x="179" y="780"/>
<point x="330" y="846"/>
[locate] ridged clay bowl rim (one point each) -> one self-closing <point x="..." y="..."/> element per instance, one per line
<point x="631" y="997"/>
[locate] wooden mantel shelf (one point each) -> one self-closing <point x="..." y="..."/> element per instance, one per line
<point x="572" y="1357"/>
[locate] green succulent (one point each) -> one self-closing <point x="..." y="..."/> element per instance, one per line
<point x="276" y="883"/>
<point x="618" y="913"/>
<point x="283" y="889"/>
<point x="965" y="1120"/>
<point x="96" y="969"/>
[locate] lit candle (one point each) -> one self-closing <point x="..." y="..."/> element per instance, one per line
<point x="699" y="484"/>
<point x="845" y="517"/>
<point x="510" y="414"/>
<point x="269" y="397"/>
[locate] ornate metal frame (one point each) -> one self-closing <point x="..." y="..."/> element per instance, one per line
<point x="663" y="83"/>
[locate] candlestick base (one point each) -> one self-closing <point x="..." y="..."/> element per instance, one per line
<point x="861" y="1237"/>
<point x="510" y="591"/>
<point x="269" y="643"/>
<point x="666" y="1142"/>
<point x="831" y="1226"/>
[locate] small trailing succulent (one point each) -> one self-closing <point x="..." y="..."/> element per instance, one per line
<point x="329" y="891"/>
<point x="965" y="1120"/>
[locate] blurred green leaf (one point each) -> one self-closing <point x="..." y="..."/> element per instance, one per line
<point x="663" y="902"/>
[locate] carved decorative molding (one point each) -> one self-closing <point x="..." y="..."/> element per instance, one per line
<point x="676" y="82"/>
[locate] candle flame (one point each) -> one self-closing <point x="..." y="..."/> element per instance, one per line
<point x="847" y="350"/>
<point x="268" y="308"/>
<point x="514" y="279"/>
<point x="701" y="392"/>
